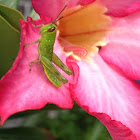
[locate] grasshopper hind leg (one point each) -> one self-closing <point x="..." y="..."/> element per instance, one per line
<point x="47" y="63"/>
<point x="60" y="64"/>
<point x="52" y="78"/>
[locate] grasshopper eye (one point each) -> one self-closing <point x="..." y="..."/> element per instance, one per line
<point x="51" y="29"/>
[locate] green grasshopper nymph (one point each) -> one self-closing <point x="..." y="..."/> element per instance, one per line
<point x="47" y="56"/>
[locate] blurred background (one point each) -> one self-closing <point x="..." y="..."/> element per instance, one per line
<point x="25" y="7"/>
<point x="56" y="123"/>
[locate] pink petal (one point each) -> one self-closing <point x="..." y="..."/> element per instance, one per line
<point x="120" y="8"/>
<point x="52" y="8"/>
<point x="22" y="89"/>
<point x="123" y="49"/>
<point x="85" y="2"/>
<point x="103" y="91"/>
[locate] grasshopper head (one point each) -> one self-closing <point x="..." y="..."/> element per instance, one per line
<point x="49" y="28"/>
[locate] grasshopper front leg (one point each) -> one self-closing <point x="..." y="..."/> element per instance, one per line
<point x="36" y="25"/>
<point x="30" y="65"/>
<point x="47" y="63"/>
<point x="37" y="41"/>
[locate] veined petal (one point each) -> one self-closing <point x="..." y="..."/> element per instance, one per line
<point x="52" y="8"/>
<point x="123" y="48"/>
<point x="84" y="27"/>
<point x="21" y="89"/>
<point x="110" y="96"/>
<point x="120" y="8"/>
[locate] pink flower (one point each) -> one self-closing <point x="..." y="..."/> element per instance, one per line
<point x="105" y="86"/>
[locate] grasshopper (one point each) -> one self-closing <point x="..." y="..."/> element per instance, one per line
<point x="47" y="56"/>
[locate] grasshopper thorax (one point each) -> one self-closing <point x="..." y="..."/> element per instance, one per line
<point x="48" y="29"/>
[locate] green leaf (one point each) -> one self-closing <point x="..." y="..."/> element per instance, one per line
<point x="24" y="133"/>
<point x="11" y="15"/>
<point x="98" y="132"/>
<point x="9" y="45"/>
<point x="10" y="3"/>
<point x="9" y="36"/>
<point x="34" y="15"/>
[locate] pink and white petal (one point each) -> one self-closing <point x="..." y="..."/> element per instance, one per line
<point x="124" y="45"/>
<point x="21" y="89"/>
<point x="117" y="130"/>
<point x="52" y="8"/>
<point x="103" y="91"/>
<point x="121" y="8"/>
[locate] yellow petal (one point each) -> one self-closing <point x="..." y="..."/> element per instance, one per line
<point x="84" y="26"/>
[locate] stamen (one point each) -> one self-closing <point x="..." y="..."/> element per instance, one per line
<point x="99" y="47"/>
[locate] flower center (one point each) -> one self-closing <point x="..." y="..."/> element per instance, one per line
<point x="83" y="28"/>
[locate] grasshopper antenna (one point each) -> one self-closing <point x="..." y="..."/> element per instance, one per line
<point x="55" y="20"/>
<point x="58" y="19"/>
